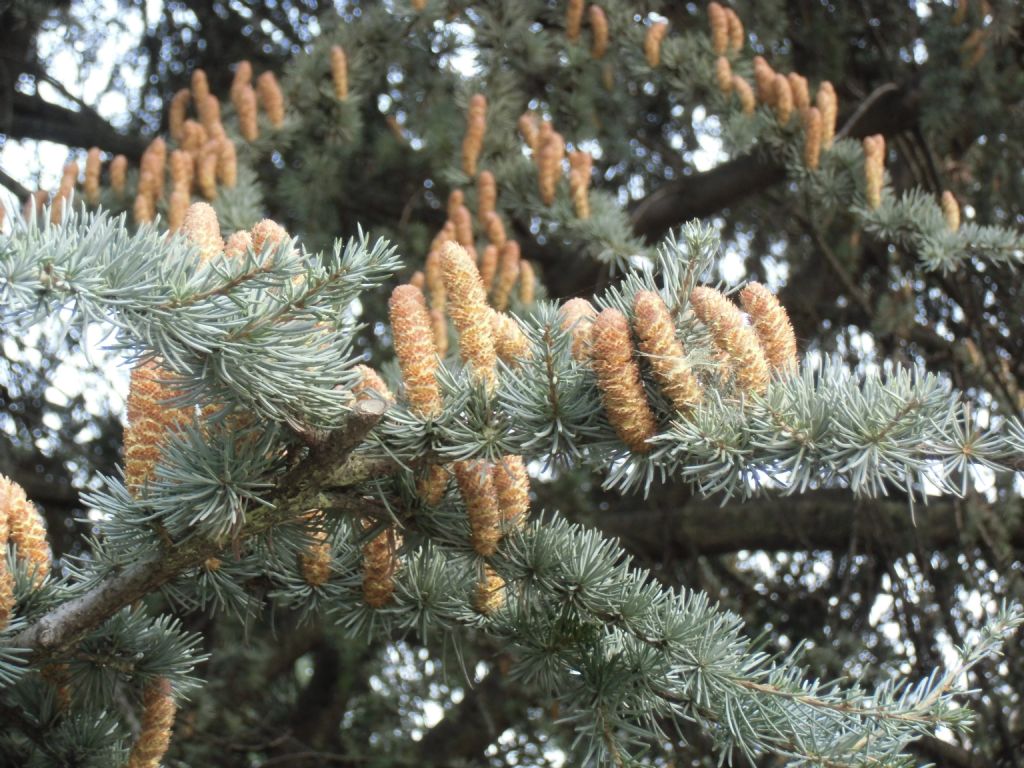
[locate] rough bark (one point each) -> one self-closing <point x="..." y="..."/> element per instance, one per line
<point x="819" y="520"/>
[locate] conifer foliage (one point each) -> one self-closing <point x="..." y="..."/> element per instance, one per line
<point x="268" y="468"/>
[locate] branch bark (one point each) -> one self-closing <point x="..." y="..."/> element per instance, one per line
<point x="296" y="495"/>
<point x="818" y="520"/>
<point x="31" y="117"/>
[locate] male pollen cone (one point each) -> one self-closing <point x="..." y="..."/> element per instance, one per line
<point x="618" y="378"/>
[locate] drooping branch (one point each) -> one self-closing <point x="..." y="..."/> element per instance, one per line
<point x="819" y="520"/>
<point x="295" y="495"/>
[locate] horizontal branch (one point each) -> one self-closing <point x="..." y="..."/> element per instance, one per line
<point x="818" y="520"/>
<point x="32" y="117"/>
<point x="295" y="495"/>
<point x="888" y="110"/>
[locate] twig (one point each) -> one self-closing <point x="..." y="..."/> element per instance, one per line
<point x="21" y="192"/>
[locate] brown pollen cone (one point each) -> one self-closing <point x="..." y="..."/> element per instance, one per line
<point x="200" y="86"/>
<point x="510" y="342"/>
<point x="874" y="169"/>
<point x="578" y="317"/>
<point x="950" y="211"/>
<point x="182" y="168"/>
<point x="158" y="709"/>
<point x="618" y="378"/>
<point x="764" y="80"/>
<point x="339" y="72"/>
<point x="271" y="98"/>
<point x="528" y="127"/>
<point x="143" y="210"/>
<point x="432" y="485"/>
<point x="477" y="489"/>
<point x="573" y="19"/>
<point x="495" y="229"/>
<point x="736" y="34"/>
<point x="469" y="311"/>
<point x="782" y="99"/>
<point x="202" y="228"/>
<point x="243" y="77"/>
<point x="150" y="421"/>
<point x="828" y="104"/>
<point x="476" y="126"/>
<point x="489" y="594"/>
<point x="23" y="527"/>
<point x="245" y="107"/>
<point x="435" y="281"/>
<point x="719" y="23"/>
<point x="238" y="244"/>
<point x="745" y="94"/>
<point x="315" y="562"/>
<point x="508" y="273"/>
<point x="455" y="198"/>
<point x="380" y="564"/>
<point x="268" y="234"/>
<point x="227" y="163"/>
<point x="801" y="93"/>
<point x="176" y="113"/>
<point x="652" y="43"/>
<point x="371" y="384"/>
<point x="771" y="323"/>
<point x="489" y="265"/>
<point x="512" y="485"/>
<point x="811" y="117"/>
<point x="6" y="578"/>
<point x="206" y="177"/>
<point x="439" y="326"/>
<point x="414" y="348"/>
<point x="118" y="173"/>
<point x="527" y="282"/>
<point x="486" y="195"/>
<point x="737" y="342"/>
<point x="92" y="176"/>
<point x="599" y="28"/>
<point x="463" y="222"/>
<point x="549" y="164"/>
<point x="177" y="207"/>
<point x="723" y="75"/>
<point x="657" y="334"/>
<point x="580" y="164"/>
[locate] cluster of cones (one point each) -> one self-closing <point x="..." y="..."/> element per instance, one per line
<point x="548" y="150"/>
<point x="747" y="354"/>
<point x="501" y="268"/>
<point x="598" y="26"/>
<point x="203" y="159"/>
<point x="496" y="495"/>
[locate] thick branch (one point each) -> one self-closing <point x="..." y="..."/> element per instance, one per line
<point x="819" y="520"/>
<point x="295" y="496"/>
<point x="888" y="110"/>
<point x="32" y="117"/>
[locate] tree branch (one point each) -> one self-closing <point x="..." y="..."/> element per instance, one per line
<point x="887" y="110"/>
<point x="295" y="496"/>
<point x="32" y="117"/>
<point x="818" y="520"/>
